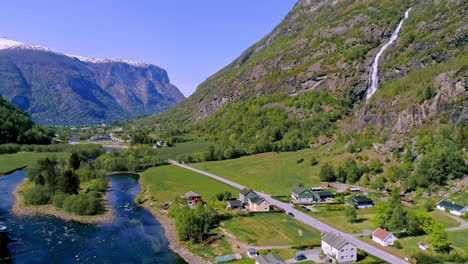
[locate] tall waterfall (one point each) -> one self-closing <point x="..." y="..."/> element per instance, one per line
<point x="374" y="76"/>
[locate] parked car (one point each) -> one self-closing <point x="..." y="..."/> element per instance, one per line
<point x="300" y="257"/>
<point x="291" y="214"/>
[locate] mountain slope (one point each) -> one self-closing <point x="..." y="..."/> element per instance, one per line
<point x="330" y="45"/>
<point x="61" y="89"/>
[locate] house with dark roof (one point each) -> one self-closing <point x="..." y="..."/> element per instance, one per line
<point x="452" y="207"/>
<point x="338" y="248"/>
<point x="271" y="258"/>
<point x="245" y="194"/>
<point x="234" y="204"/>
<point x="258" y="204"/>
<point x="383" y="237"/>
<point x="325" y="196"/>
<point x="302" y="195"/>
<point x="361" y="201"/>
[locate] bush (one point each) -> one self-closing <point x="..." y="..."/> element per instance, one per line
<point x="313" y="161"/>
<point x="299" y="161"/>
<point x="83" y="204"/>
<point x="397" y="244"/>
<point x="38" y="195"/>
<point x="59" y="198"/>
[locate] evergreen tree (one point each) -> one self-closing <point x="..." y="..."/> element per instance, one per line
<point x="69" y="183"/>
<point x="74" y="161"/>
<point x="341" y="174"/>
<point x="398" y="220"/>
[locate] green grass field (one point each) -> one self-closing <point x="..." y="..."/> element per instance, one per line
<point x="278" y="173"/>
<point x="271" y="229"/>
<point x="459" y="239"/>
<point x="9" y="162"/>
<point x="338" y="219"/>
<point x="167" y="182"/>
<point x="184" y="147"/>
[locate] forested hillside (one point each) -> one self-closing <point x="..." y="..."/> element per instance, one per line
<point x="16" y="126"/>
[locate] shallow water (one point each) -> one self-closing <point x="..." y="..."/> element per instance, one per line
<point x="133" y="237"/>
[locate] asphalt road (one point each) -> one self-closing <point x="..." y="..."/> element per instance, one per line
<point x="307" y="219"/>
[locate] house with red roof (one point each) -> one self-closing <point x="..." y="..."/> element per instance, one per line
<point x="383" y="237"/>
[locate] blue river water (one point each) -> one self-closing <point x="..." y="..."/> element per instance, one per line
<point x="133" y="237"/>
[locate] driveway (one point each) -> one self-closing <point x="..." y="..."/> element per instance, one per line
<point x="307" y="219"/>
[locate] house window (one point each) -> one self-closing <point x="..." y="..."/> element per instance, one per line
<point x="342" y="257"/>
<point x="342" y="250"/>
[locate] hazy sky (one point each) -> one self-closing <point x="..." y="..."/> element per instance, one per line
<point x="191" y="39"/>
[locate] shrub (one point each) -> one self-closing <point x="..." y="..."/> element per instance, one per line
<point x="83" y="204"/>
<point x="59" y="199"/>
<point x="38" y="195"/>
<point x="397" y="244"/>
<point x="299" y="161"/>
<point x="313" y="161"/>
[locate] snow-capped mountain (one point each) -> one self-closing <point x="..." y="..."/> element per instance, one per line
<point x="56" y="88"/>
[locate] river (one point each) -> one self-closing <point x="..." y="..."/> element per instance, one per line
<point x="133" y="237"/>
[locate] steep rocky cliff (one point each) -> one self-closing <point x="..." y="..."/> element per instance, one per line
<point x="55" y="88"/>
<point x="330" y="45"/>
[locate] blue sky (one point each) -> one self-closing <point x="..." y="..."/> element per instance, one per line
<point x="191" y="39"/>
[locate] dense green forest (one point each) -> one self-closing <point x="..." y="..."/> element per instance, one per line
<point x="84" y="150"/>
<point x="16" y="126"/>
<point x="135" y="159"/>
<point x="74" y="186"/>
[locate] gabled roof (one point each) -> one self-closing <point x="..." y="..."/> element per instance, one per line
<point x="191" y="194"/>
<point x="451" y="206"/>
<point x="362" y="199"/>
<point x="246" y="191"/>
<point x="381" y="234"/>
<point x="256" y="200"/>
<point x="270" y="259"/>
<point x="335" y="240"/>
<point x="235" y="203"/>
<point x="325" y="193"/>
<point x="299" y="190"/>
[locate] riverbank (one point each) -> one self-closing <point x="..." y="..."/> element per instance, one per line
<point x="21" y="209"/>
<point x="170" y="232"/>
<point x="9" y="172"/>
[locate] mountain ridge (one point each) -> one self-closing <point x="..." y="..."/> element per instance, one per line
<point x="57" y="88"/>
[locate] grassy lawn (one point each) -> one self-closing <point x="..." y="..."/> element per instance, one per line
<point x="167" y="182"/>
<point x="9" y="162"/>
<point x="442" y="218"/>
<point x="271" y="229"/>
<point x="338" y="219"/>
<point x="184" y="147"/>
<point x="459" y="239"/>
<point x="279" y="173"/>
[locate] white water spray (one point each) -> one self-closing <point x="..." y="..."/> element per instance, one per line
<point x="374" y="76"/>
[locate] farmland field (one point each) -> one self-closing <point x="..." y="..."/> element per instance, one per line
<point x="9" y="162"/>
<point x="182" y="148"/>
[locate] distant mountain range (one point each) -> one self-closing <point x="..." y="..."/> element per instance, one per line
<point x="56" y="88"/>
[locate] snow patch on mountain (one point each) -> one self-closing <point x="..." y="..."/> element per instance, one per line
<point x="13" y="44"/>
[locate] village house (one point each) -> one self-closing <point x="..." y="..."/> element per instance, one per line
<point x="383" y="237"/>
<point x="325" y="196"/>
<point x="246" y="194"/>
<point x="316" y="189"/>
<point x="258" y="204"/>
<point x="302" y="195"/>
<point x="269" y="259"/>
<point x="452" y="207"/>
<point x="337" y="247"/>
<point x="234" y="204"/>
<point x="361" y="201"/>
<point x="193" y="198"/>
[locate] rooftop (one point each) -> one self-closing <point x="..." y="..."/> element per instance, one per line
<point x="270" y="259"/>
<point x="334" y="240"/>
<point x="246" y="191"/>
<point x="257" y="200"/>
<point x="235" y="203"/>
<point x="299" y="190"/>
<point x="381" y="233"/>
<point x="451" y="206"/>
<point x="191" y="194"/>
<point x="362" y="199"/>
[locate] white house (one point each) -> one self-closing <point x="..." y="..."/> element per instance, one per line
<point x="383" y="237"/>
<point x="302" y="195"/>
<point x="452" y="207"/>
<point x="337" y="247"/>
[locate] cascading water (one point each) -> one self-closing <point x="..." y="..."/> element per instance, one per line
<point x="374" y="76"/>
